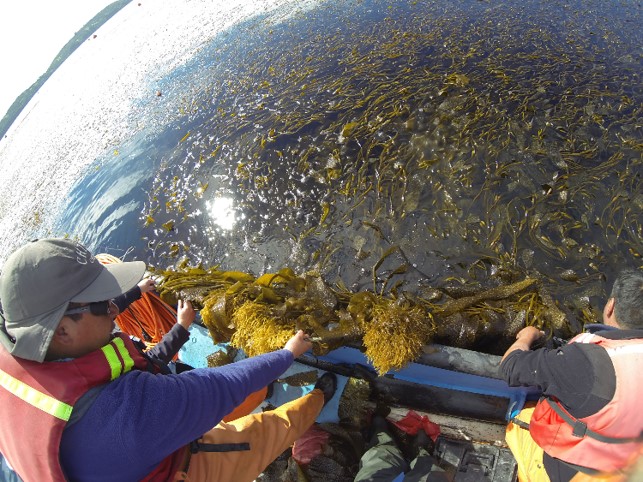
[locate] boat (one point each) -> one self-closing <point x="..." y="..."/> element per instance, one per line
<point x="460" y="390"/>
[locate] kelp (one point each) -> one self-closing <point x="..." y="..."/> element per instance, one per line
<point x="257" y="329"/>
<point x="221" y="357"/>
<point x="301" y="379"/>
<point x="501" y="292"/>
<point x="354" y="403"/>
<point x="398" y="145"/>
<point x="260" y="314"/>
<point x="394" y="330"/>
<point x="454" y="177"/>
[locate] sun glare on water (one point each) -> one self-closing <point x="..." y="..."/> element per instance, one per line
<point x="222" y="212"/>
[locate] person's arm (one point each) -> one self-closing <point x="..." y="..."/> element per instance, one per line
<point x="166" y="349"/>
<point x="520" y="366"/>
<point x="174" y="339"/>
<point x="524" y="340"/>
<point x="141" y="418"/>
<point x="126" y="299"/>
<point x="581" y="376"/>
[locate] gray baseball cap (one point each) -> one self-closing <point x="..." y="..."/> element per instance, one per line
<point x="40" y="279"/>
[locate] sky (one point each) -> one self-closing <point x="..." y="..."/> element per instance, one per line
<point x="32" y="32"/>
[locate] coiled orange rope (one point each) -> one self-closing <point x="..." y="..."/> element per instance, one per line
<point x="148" y="318"/>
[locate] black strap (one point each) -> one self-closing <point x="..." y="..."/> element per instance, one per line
<point x="578" y="468"/>
<point x="83" y="404"/>
<point x="146" y="335"/>
<point x="581" y="430"/>
<point x="196" y="446"/>
<point x="520" y="423"/>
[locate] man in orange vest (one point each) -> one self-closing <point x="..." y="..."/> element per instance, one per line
<point x="80" y="402"/>
<point x="589" y="420"/>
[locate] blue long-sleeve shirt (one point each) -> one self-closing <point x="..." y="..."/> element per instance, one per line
<point x="140" y="418"/>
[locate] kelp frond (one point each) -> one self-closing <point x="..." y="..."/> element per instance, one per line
<point x="259" y="315"/>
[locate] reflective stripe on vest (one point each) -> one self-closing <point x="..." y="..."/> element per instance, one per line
<point x="119" y="359"/>
<point x="625" y="350"/>
<point x="35" y="398"/>
<point x="40" y="399"/>
<point x="114" y="358"/>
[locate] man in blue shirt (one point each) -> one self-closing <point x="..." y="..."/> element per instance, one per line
<point x="99" y="409"/>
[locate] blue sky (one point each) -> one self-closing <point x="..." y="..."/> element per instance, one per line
<point x="31" y="34"/>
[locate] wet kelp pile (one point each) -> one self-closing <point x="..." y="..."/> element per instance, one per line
<point x="407" y="147"/>
<point x="260" y="314"/>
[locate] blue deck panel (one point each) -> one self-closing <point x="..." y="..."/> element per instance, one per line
<point x="443" y="378"/>
<point x="200" y="346"/>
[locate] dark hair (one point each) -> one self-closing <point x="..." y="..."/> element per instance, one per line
<point x="628" y="298"/>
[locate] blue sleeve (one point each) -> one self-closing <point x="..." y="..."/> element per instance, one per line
<point x="126" y="299"/>
<point x="141" y="418"/>
<point x="170" y="344"/>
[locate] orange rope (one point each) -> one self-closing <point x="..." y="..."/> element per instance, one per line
<point x="148" y="318"/>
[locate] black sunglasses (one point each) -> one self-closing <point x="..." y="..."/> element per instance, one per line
<point x="98" y="308"/>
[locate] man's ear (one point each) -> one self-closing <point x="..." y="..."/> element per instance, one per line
<point x="63" y="334"/>
<point x="608" y="312"/>
<point x="60" y="340"/>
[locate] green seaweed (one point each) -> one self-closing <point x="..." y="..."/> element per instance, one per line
<point x="391" y="329"/>
<point x="406" y="149"/>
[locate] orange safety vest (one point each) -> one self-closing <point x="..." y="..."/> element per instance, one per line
<point x="37" y="399"/>
<point x="609" y="439"/>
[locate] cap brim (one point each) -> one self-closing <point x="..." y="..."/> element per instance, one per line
<point x="113" y="281"/>
<point x="34" y="335"/>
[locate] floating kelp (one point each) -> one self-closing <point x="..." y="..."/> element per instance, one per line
<point x="260" y="314"/>
<point x="396" y="147"/>
<point x="221" y="357"/>
<point x="498" y="293"/>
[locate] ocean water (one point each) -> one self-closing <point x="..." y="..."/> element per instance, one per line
<point x="387" y="145"/>
<point x="104" y="95"/>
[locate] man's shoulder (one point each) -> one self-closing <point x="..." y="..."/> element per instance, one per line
<point x="584" y="353"/>
<point x="619" y="334"/>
